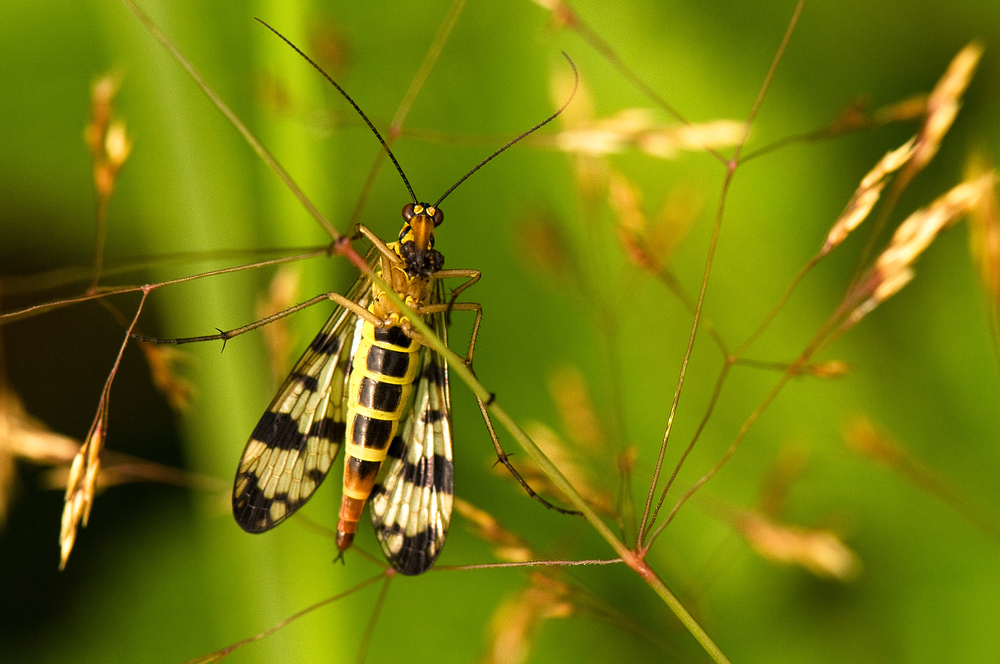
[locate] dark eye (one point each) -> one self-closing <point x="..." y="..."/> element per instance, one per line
<point x="408" y="211"/>
<point x="438" y="217"/>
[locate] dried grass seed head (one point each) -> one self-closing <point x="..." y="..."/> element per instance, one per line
<point x="892" y="269"/>
<point x="818" y="551"/>
<point x="918" y="230"/>
<point x="638" y="127"/>
<point x="867" y="194"/>
<point x="984" y="234"/>
<point x="944" y="101"/>
<point x="577" y="412"/>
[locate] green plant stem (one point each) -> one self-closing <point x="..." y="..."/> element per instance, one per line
<point x="632" y="559"/>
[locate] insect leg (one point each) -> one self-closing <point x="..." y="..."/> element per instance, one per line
<point x="472" y="276"/>
<point x="377" y="243"/>
<point x="460" y="306"/>
<point x="503" y="458"/>
<point x="225" y="335"/>
<point x="501" y="454"/>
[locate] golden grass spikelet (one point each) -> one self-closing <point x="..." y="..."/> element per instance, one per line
<point x="81" y="486"/>
<point x="862" y="436"/>
<point x="25" y="438"/>
<point x="866" y="195"/>
<point x="984" y="237"/>
<point x="106" y="139"/>
<point x="566" y="460"/>
<point x="829" y="369"/>
<point x="818" y="551"/>
<point x="22" y="437"/>
<point x="892" y="268"/>
<point x="117" y="146"/>
<point x="576" y="409"/>
<point x="544" y="247"/>
<point x="668" y="142"/>
<point x="648" y="245"/>
<point x="163" y="362"/>
<point x="637" y="127"/>
<point x="102" y="95"/>
<point x="278" y="338"/>
<point x="918" y="230"/>
<point x="73" y="511"/>
<point x="943" y="103"/>
<point x="908" y="109"/>
<point x="506" y="545"/>
<point x="891" y="284"/>
<point x="626" y="204"/>
<point x="516" y="623"/>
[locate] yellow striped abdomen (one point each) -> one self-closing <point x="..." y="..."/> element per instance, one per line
<point x="385" y="366"/>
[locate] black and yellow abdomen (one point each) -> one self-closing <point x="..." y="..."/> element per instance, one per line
<point x="385" y="366"/>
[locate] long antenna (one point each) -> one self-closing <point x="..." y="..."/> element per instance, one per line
<point x="576" y="83"/>
<point x="362" y="113"/>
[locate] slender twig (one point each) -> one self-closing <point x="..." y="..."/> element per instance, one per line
<point x="779" y="305"/>
<point x="731" y="167"/>
<point x="119" y="290"/>
<point x="67" y="276"/>
<point x="530" y="563"/>
<point x="419" y="79"/>
<point x="284" y="623"/>
<point x="645" y="524"/>
<point x="248" y="136"/>
<point x="366" y="637"/>
<point x="597" y="42"/>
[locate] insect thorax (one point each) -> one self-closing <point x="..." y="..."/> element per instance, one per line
<point x="414" y="290"/>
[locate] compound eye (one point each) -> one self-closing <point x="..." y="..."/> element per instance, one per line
<point x="438" y="217"/>
<point x="408" y="211"/>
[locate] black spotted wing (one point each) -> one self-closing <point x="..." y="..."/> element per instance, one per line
<point x="412" y="500"/>
<point x="298" y="437"/>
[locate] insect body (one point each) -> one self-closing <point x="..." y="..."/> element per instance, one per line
<point x="385" y="365"/>
<point x="352" y="387"/>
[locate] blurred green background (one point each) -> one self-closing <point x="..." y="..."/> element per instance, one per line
<point x="163" y="574"/>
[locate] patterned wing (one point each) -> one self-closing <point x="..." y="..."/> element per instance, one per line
<point x="299" y="435"/>
<point x="411" y="502"/>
